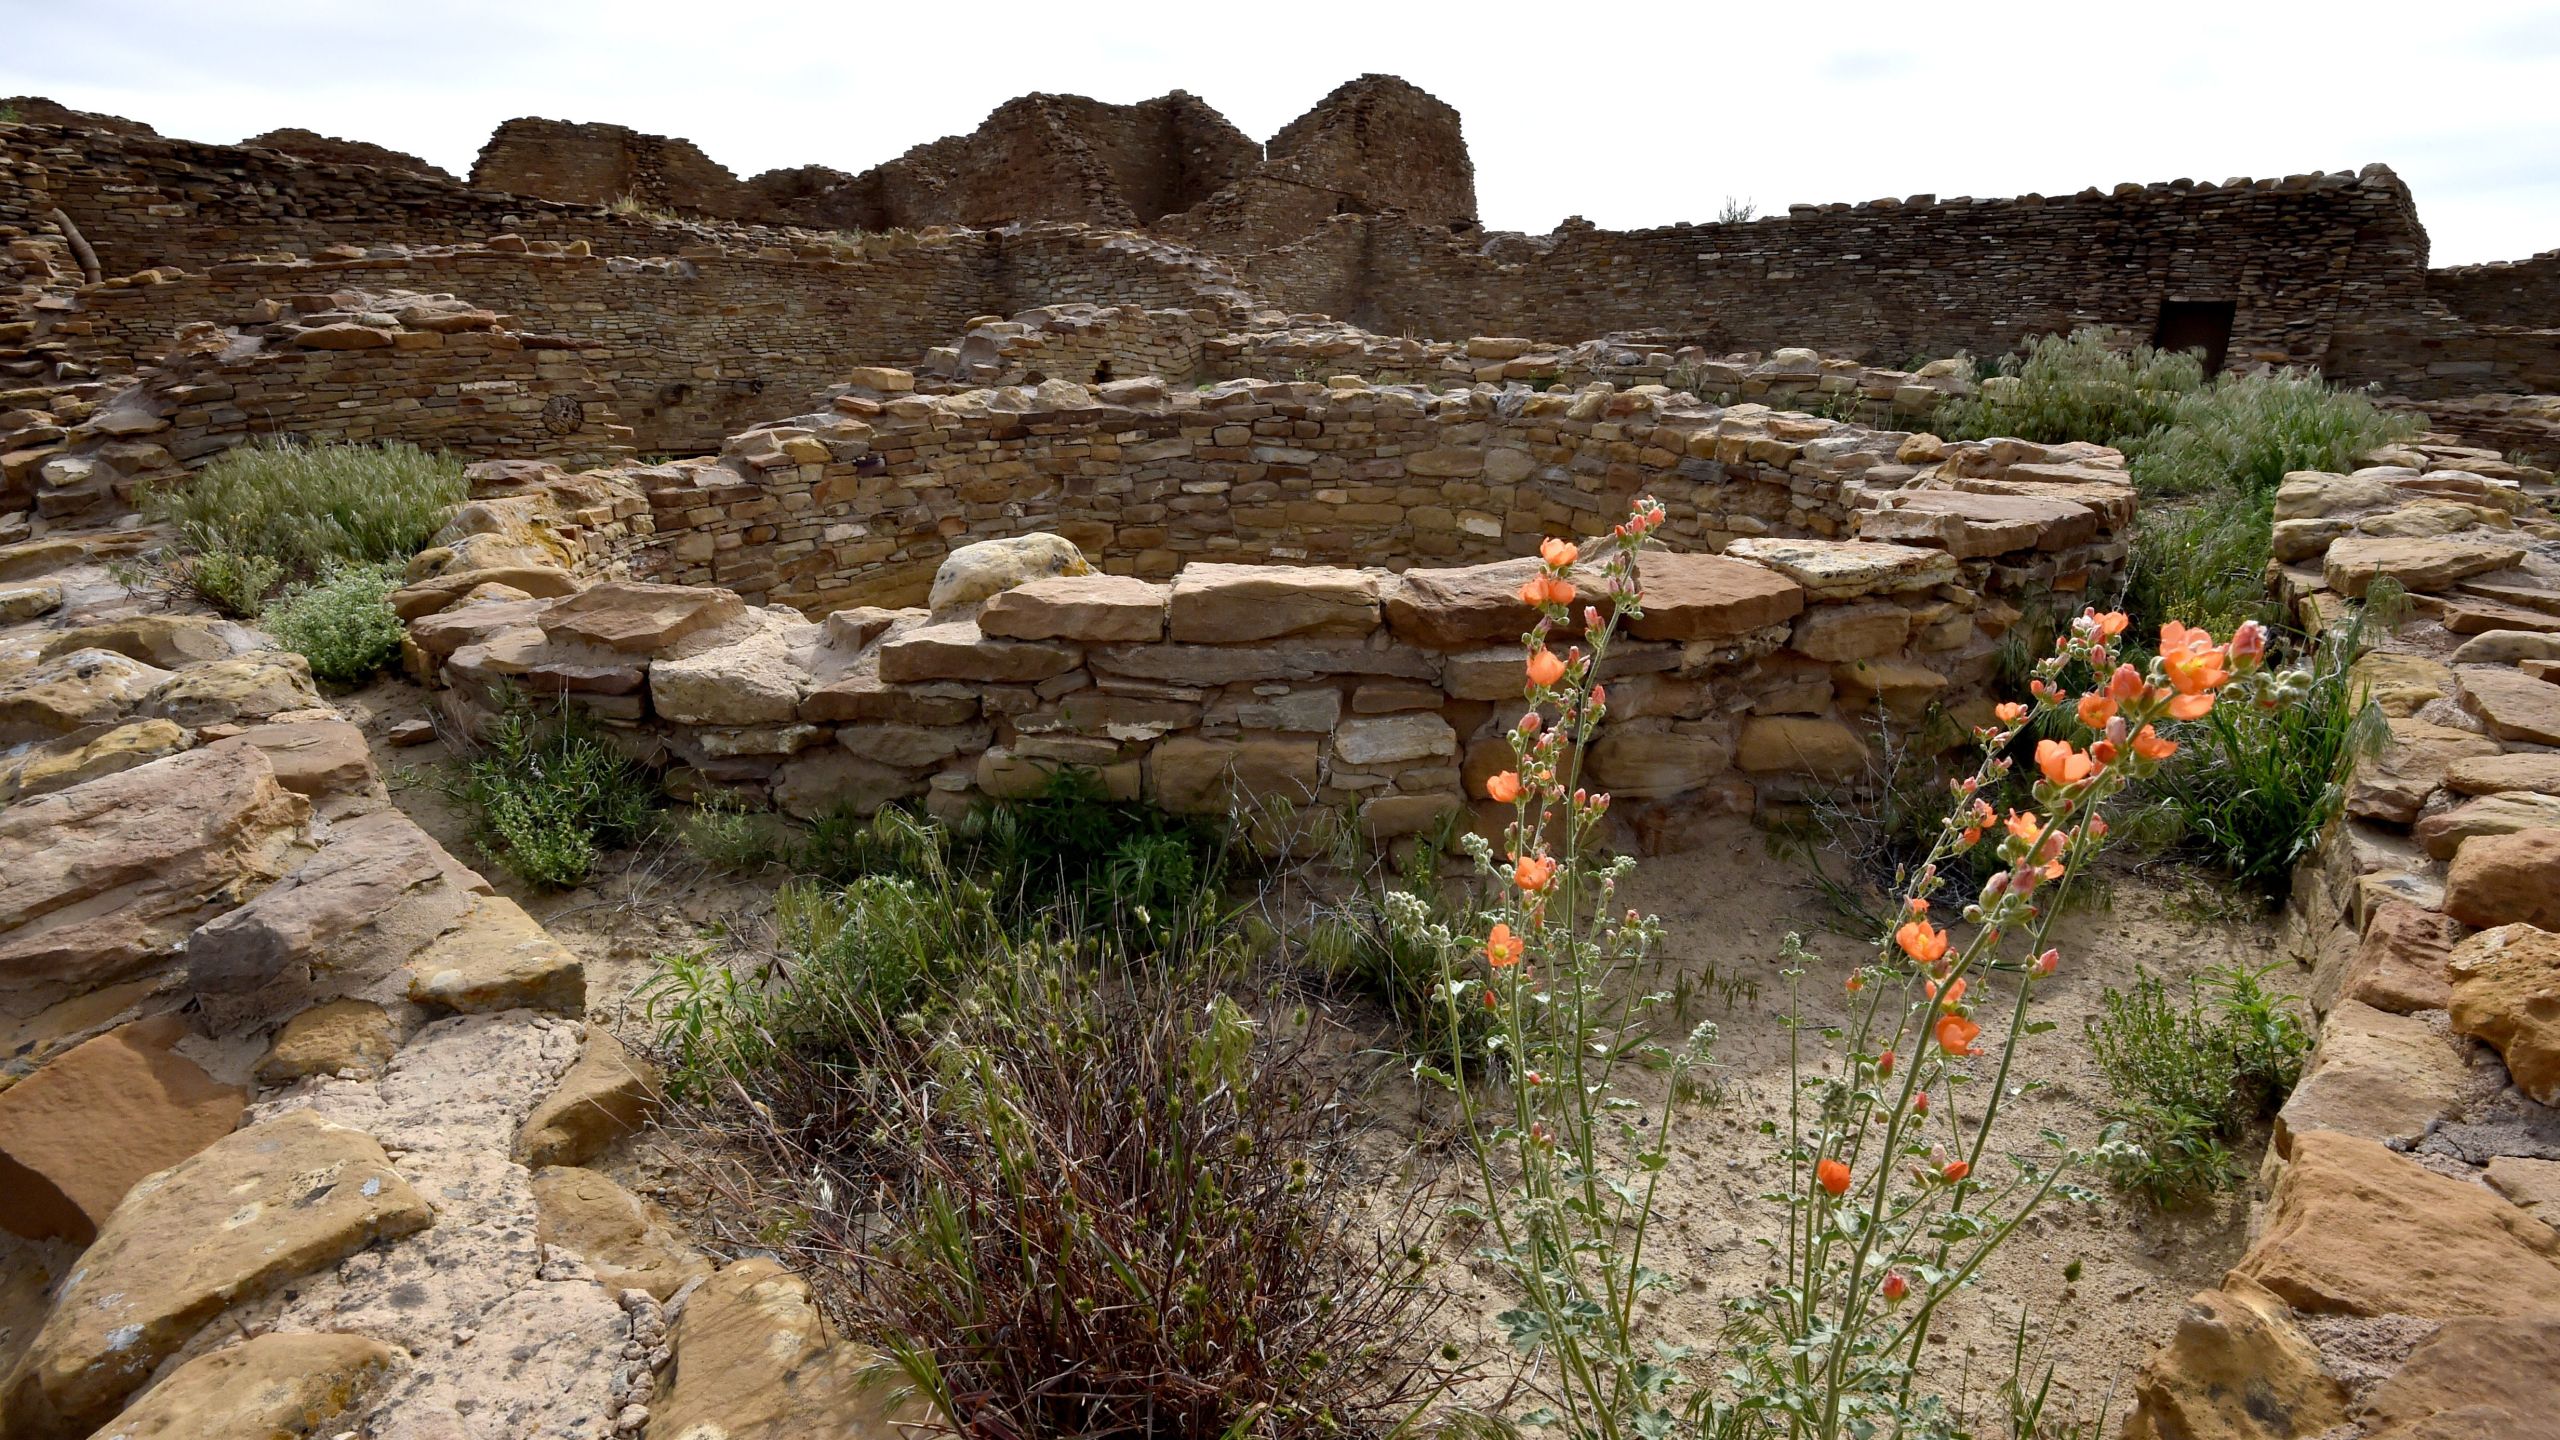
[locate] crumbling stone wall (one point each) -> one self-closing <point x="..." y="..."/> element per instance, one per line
<point x="2509" y="292"/>
<point x="861" y="504"/>
<point x="1259" y="689"/>
<point x="351" y="366"/>
<point x="1374" y="145"/>
<point x="330" y="150"/>
<point x="144" y="201"/>
<point x="598" y="164"/>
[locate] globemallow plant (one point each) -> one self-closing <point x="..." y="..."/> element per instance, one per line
<point x="1897" y="1191"/>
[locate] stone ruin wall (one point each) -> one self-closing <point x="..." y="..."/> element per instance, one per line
<point x="861" y="504"/>
<point x="1374" y="696"/>
<point x="352" y="367"/>
<point x="1891" y="279"/>
<point x="2523" y="293"/>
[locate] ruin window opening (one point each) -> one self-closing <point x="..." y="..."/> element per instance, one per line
<point x="2197" y="325"/>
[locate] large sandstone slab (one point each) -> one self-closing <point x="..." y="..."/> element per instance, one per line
<point x="1970" y="526"/>
<point x="242" y="690"/>
<point x="959" y="650"/>
<point x="1190" y="774"/>
<point x="607" y="1094"/>
<point x="2237" y="1368"/>
<point x="1801" y="745"/>
<point x="317" y="758"/>
<point x="82" y="756"/>
<point x="2506" y="992"/>
<point x="1217" y="604"/>
<point x="2378" y="1075"/>
<point x="99" y="881"/>
<point x="2534" y="770"/>
<point x="757" y="681"/>
<point x="629" y="1241"/>
<point x="2395" y="783"/>
<point x="2504" y="879"/>
<point x="1464" y="606"/>
<point x="757" y="1360"/>
<point x="267" y="1387"/>
<point x="249" y="1213"/>
<point x="1847" y="569"/>
<point x="345" y="921"/>
<point x="2492" y="1379"/>
<point x="1710" y="597"/>
<point x="81" y="688"/>
<point x="1115" y="609"/>
<point x="2356" y="1229"/>
<point x="77" y="1134"/>
<point x="170" y="642"/>
<point x="2447" y="831"/>
<point x="2399" y="962"/>
<point x="497" y="958"/>
<point x="2512" y="704"/>
<point x="638" y="618"/>
<point x="2424" y="566"/>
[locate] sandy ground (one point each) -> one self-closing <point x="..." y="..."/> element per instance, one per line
<point x="1726" y="906"/>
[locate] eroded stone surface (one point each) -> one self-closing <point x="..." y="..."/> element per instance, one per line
<point x="267" y="1387"/>
<point x="2506" y="991"/>
<point x="606" y="1095"/>
<point x="254" y="1210"/>
<point x="755" y="1360"/>
<point x="629" y="1242"/>
<point x="77" y="1134"/>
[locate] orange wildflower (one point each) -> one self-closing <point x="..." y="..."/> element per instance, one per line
<point x="1956" y="1034"/>
<point x="1532" y="872"/>
<point x="2097" y="709"/>
<point x="1884" y="1063"/>
<point x="2026" y="825"/>
<point x="2061" y="764"/>
<point x="1559" y="553"/>
<point x="1920" y="1103"/>
<point x="1956" y="1170"/>
<point x="1545" y="668"/>
<point x="1833" y="1176"/>
<point x="1533" y="591"/>
<point x="2125" y="684"/>
<point x="2111" y="624"/>
<point x="1502" y="949"/>
<point x="2009" y="712"/>
<point x="2151" y="745"/>
<point x="2193" y="663"/>
<point x="1953" y="997"/>
<point x="1503" y="788"/>
<point x="1921" y="941"/>
<point x="2191" y="707"/>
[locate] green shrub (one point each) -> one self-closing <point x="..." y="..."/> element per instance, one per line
<point x="342" y="623"/>
<point x="2254" y="785"/>
<point x="2189" y="1075"/>
<point x="726" y="836"/>
<point x="2244" y="432"/>
<point x="2088" y="385"/>
<point x="2202" y="561"/>
<point x="549" y="795"/>
<point x="277" y="510"/>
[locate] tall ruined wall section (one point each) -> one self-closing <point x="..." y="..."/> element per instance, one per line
<point x="594" y="164"/>
<point x="1887" y="280"/>
<point x="330" y="150"/>
<point x="143" y="201"/>
<point x="1374" y="145"/>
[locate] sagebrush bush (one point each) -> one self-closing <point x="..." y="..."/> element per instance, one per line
<point x="342" y="623"/>
<point x="549" y="795"/>
<point x="2088" y="385"/>
<point x="278" y="510"/>
<point x="2190" y="1073"/>
<point x="1071" y="1190"/>
<point x="2244" y="432"/>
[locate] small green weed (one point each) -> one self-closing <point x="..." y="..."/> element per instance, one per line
<point x="2189" y="1074"/>
<point x="342" y="623"/>
<point x="549" y="795"/>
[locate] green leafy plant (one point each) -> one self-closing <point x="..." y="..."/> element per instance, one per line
<point x="549" y="795"/>
<point x="2088" y="385"/>
<point x="726" y="836"/>
<point x="2189" y="1074"/>
<point x="2260" y="781"/>
<point x="342" y="622"/>
<point x="277" y="510"/>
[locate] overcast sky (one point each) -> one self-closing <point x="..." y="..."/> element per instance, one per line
<point x="1630" y="115"/>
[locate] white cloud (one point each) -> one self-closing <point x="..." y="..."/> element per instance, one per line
<point x="1630" y="115"/>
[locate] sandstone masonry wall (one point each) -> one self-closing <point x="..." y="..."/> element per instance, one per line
<point x="1889" y="279"/>
<point x="2397" y="1278"/>
<point x="861" y="504"/>
<point x="2511" y="292"/>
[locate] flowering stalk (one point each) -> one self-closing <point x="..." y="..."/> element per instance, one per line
<point x="1568" y="1222"/>
<point x="1892" y="1213"/>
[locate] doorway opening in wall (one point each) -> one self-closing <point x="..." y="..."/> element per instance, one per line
<point x="2196" y="325"/>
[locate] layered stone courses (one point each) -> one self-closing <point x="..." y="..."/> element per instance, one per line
<point x="2408" y="1233"/>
